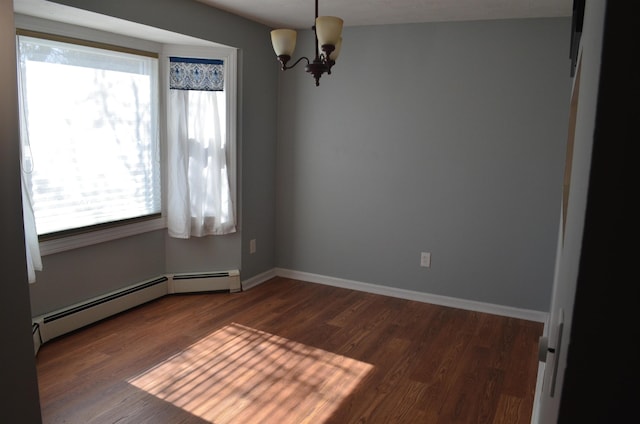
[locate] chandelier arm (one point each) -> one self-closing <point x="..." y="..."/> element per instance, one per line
<point x="285" y="67"/>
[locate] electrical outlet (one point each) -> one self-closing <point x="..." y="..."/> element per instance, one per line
<point x="252" y="246"/>
<point x="425" y="259"/>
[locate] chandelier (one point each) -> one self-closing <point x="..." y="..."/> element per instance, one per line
<point x="328" y="35"/>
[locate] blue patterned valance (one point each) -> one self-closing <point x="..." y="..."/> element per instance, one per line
<point x="196" y="74"/>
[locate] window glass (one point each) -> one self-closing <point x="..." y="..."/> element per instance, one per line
<point x="91" y="150"/>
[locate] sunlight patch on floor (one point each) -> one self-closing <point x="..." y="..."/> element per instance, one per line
<point x="242" y="375"/>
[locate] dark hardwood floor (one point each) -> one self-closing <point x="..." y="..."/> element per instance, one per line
<point x="288" y="351"/>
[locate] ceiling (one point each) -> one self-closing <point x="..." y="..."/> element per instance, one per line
<point x="299" y="14"/>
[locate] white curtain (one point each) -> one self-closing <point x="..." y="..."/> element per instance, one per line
<point x="199" y="198"/>
<point x="32" y="245"/>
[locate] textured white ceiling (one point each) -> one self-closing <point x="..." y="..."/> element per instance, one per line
<point x="299" y="14"/>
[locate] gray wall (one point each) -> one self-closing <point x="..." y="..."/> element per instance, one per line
<point x="448" y="138"/>
<point x="18" y="382"/>
<point x="454" y="146"/>
<point x="79" y="274"/>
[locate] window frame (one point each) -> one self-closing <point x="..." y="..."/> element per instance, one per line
<point x="161" y="48"/>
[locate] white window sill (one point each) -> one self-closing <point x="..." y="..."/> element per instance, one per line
<point x="81" y="240"/>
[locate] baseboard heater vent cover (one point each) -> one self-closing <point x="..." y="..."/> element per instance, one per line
<point x="82" y="314"/>
<point x="57" y="323"/>
<point x="226" y="281"/>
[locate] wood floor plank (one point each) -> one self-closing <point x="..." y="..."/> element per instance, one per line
<point x="291" y="352"/>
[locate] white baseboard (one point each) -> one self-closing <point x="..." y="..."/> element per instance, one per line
<point x="258" y="279"/>
<point x="49" y="326"/>
<point x="526" y="314"/>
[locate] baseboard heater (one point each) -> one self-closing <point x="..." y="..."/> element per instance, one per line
<point x="37" y="340"/>
<point x="226" y="281"/>
<point x="57" y="323"/>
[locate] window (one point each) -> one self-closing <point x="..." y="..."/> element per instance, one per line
<point x="199" y="200"/>
<point x="91" y="146"/>
<point x="94" y="131"/>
